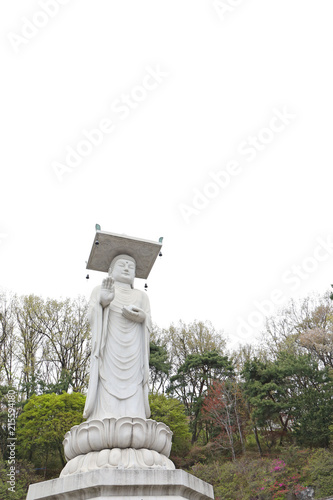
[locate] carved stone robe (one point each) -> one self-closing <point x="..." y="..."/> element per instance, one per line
<point x="119" y="371"/>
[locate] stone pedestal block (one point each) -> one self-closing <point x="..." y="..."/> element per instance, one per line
<point x="105" y="484"/>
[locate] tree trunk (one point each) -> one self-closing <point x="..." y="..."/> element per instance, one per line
<point x="257" y="440"/>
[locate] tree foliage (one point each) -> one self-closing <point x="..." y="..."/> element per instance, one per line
<point x="224" y="407"/>
<point x="25" y="475"/>
<point x="8" y="340"/>
<point x="172" y="413"/>
<point x="159" y="364"/>
<point x="44" y="344"/>
<point x="43" y="423"/>
<point x="193" y="379"/>
<point x="293" y="395"/>
<point x="305" y="326"/>
<point x="184" y="339"/>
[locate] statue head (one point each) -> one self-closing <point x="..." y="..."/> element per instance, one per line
<point x="122" y="269"/>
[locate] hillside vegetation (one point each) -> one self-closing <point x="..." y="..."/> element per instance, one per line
<point x="256" y="421"/>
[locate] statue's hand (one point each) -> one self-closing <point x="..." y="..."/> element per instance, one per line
<point x="134" y="313"/>
<point x="107" y="291"/>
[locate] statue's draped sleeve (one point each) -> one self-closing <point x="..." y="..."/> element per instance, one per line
<point x="95" y="313"/>
<point x="146" y="351"/>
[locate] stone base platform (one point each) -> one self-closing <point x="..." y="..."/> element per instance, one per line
<point x="105" y="484"/>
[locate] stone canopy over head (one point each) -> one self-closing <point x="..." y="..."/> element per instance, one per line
<point x="107" y="246"/>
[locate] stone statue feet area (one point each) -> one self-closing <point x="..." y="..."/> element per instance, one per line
<point x="117" y="443"/>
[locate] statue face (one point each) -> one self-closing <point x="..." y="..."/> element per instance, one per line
<point x="124" y="271"/>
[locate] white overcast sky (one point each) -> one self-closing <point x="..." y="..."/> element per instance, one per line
<point x="243" y="89"/>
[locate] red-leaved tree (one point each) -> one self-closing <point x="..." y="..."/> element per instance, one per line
<point x="225" y="410"/>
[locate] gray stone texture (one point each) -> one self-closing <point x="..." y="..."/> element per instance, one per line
<point x="112" y="484"/>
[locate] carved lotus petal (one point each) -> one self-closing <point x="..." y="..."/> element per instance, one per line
<point x="117" y="458"/>
<point x="139" y="437"/>
<point x="123" y="433"/>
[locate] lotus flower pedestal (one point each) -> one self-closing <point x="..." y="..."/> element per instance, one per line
<point x="124" y="458"/>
